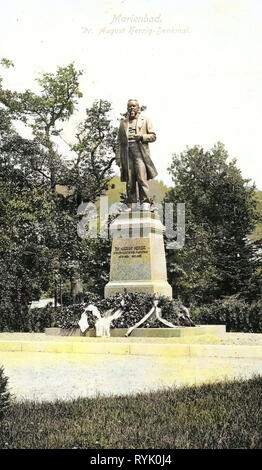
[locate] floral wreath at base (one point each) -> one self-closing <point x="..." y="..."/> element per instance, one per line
<point x="103" y="323"/>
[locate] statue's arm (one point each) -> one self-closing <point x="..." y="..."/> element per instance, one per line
<point x="150" y="135"/>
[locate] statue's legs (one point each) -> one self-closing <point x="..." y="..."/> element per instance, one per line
<point x="131" y="187"/>
<point x="137" y="174"/>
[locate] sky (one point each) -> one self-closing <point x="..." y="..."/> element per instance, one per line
<point x="195" y="64"/>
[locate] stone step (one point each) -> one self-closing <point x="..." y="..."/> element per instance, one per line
<point x="181" y="332"/>
<point x="92" y="346"/>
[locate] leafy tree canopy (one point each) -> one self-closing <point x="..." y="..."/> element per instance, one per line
<point x="221" y="212"/>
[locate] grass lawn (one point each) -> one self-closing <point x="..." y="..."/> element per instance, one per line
<point x="224" y="415"/>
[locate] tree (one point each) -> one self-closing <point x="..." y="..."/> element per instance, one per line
<point x="25" y="259"/>
<point x="218" y="258"/>
<point x="24" y="211"/>
<point x="42" y="112"/>
<point x="40" y="249"/>
<point x="4" y="393"/>
<point x="95" y="264"/>
<point x="91" y="170"/>
<point x="89" y="167"/>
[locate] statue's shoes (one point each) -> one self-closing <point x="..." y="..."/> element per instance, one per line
<point x="153" y="208"/>
<point x="145" y="206"/>
<point x="136" y="207"/>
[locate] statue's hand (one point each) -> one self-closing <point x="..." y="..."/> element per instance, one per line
<point x="138" y="137"/>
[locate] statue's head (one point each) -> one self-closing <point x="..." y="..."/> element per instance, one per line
<point x="132" y="108"/>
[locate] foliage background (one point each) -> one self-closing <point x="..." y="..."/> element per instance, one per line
<point x="44" y="196"/>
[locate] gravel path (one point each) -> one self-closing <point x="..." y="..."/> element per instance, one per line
<point x="48" y="377"/>
<point x="252" y="339"/>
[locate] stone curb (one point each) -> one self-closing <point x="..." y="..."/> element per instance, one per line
<point x="141" y="349"/>
<point x="180" y="332"/>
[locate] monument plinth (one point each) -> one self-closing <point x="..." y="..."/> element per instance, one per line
<point x="138" y="262"/>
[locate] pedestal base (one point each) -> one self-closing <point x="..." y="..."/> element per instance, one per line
<point x="138" y="262"/>
<point x="147" y="287"/>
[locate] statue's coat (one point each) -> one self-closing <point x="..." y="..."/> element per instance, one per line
<point x="143" y="127"/>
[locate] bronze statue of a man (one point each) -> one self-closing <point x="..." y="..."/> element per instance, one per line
<point x="133" y="155"/>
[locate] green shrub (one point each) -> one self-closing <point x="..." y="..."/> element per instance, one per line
<point x="237" y="314"/>
<point x="26" y="320"/>
<point x="10" y="319"/>
<point x="137" y="305"/>
<point x="69" y="316"/>
<point x="172" y="310"/>
<point x="35" y="320"/>
<point x="4" y="394"/>
<point x="40" y="318"/>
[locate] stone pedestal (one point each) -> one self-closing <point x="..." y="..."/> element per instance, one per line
<point x="138" y="262"/>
